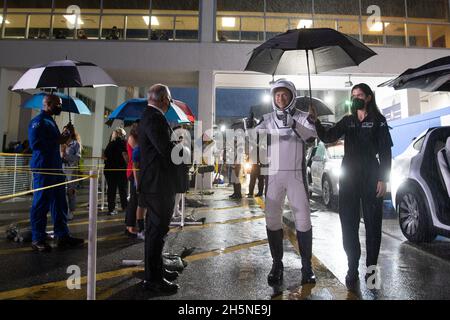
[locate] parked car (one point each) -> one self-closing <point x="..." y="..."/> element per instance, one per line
<point x="324" y="169"/>
<point x="418" y="188"/>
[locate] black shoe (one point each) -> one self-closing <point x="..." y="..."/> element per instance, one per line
<point x="162" y="286"/>
<point x="232" y="196"/>
<point x="258" y="195"/>
<point x="308" y="277"/>
<point x="275" y="275"/>
<point x="249" y="195"/>
<point x="69" y="242"/>
<point x="351" y="278"/>
<point x="41" y="246"/>
<point x="170" y="275"/>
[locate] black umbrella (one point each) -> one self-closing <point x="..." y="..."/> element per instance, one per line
<point x="289" y="52"/>
<point x="432" y="76"/>
<point x="64" y="74"/>
<point x="302" y="104"/>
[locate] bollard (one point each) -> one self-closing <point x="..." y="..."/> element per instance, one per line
<point x="182" y="210"/>
<point x="92" y="238"/>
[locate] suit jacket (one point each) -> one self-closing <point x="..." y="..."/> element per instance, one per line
<point x="156" y="167"/>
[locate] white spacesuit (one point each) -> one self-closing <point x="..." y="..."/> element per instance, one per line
<point x="287" y="176"/>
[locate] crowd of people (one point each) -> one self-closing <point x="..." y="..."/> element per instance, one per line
<point x="143" y="160"/>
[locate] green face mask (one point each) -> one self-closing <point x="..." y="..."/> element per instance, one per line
<point x="357" y="104"/>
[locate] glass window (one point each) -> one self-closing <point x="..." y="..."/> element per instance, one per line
<point x="252" y="29"/>
<point x="373" y="33"/>
<point x="332" y="8"/>
<point x="29" y="6"/>
<point x="350" y="28"/>
<point x="113" y="26"/>
<point x="15" y="26"/>
<point x="395" y="34"/>
<point x="289" y="6"/>
<point x="39" y="26"/>
<point x="130" y="4"/>
<point x="387" y="8"/>
<point x="432" y="9"/>
<point x="417" y="35"/>
<point x="325" y="24"/>
<point x="320" y="152"/>
<point x="137" y="28"/>
<point x="185" y="5"/>
<point x="440" y="36"/>
<point x="162" y="27"/>
<point x="186" y="28"/>
<point x="84" y="5"/>
<point x="276" y="26"/>
<point x="228" y="28"/>
<point x="243" y="6"/>
<point x="63" y="27"/>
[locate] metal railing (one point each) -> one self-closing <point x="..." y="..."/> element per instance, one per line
<point x="13" y="177"/>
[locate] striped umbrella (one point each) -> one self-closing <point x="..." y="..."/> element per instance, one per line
<point x="64" y="74"/>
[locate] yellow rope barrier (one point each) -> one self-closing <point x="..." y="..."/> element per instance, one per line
<point x="45" y="188"/>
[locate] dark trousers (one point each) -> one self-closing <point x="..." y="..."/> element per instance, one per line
<point x="256" y="174"/>
<point x="130" y="216"/>
<point x="158" y="216"/>
<point x="114" y="180"/>
<point x="356" y="193"/>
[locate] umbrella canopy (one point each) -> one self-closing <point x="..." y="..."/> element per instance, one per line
<point x="69" y="104"/>
<point x="308" y="49"/>
<point x="286" y="53"/>
<point x="432" y="76"/>
<point x="302" y="104"/>
<point x="64" y="74"/>
<point x="131" y="110"/>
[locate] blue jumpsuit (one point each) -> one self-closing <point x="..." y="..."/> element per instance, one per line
<point x="43" y="134"/>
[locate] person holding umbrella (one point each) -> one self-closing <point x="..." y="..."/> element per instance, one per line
<point x="287" y="177"/>
<point x="366" y="169"/>
<point x="45" y="140"/>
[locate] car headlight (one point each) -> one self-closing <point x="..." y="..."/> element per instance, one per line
<point x="337" y="172"/>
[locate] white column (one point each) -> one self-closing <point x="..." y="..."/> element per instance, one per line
<point x="207" y="20"/>
<point x="98" y="118"/>
<point x="121" y="95"/>
<point x="206" y="113"/>
<point x="136" y="92"/>
<point x="410" y="102"/>
<point x="7" y="79"/>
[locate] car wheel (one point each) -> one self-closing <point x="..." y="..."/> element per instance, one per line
<point x="327" y="192"/>
<point x="414" y="218"/>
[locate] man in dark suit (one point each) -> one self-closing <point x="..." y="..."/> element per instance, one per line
<point x="156" y="187"/>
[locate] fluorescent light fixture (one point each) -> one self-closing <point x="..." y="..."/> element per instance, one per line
<point x="223" y="128"/>
<point x="71" y="19"/>
<point x="378" y="26"/>
<point x="329" y="99"/>
<point x="266" y="98"/>
<point x="6" y="21"/>
<point x="304" y="24"/>
<point x="228" y="22"/>
<point x="155" y="21"/>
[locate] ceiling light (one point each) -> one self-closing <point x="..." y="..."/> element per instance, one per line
<point x="6" y="21"/>
<point x="228" y="22"/>
<point x="155" y="21"/>
<point x="71" y="18"/>
<point x="378" y="26"/>
<point x="304" y="24"/>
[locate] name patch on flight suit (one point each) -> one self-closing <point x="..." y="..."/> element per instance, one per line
<point x="367" y="125"/>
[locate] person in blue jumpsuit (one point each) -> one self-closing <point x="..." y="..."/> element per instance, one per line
<point x="45" y="140"/>
<point x="365" y="171"/>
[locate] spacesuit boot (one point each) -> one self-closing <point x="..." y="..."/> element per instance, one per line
<point x="276" y="250"/>
<point x="305" y="246"/>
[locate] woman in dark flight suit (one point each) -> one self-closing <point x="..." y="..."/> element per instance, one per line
<point x="364" y="175"/>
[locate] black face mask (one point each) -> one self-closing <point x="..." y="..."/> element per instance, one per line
<point x="57" y="111"/>
<point x="357" y="104"/>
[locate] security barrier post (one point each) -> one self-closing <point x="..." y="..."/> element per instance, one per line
<point x="92" y="238"/>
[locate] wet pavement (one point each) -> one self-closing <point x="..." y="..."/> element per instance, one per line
<point x="230" y="258"/>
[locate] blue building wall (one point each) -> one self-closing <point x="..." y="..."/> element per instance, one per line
<point x="405" y="130"/>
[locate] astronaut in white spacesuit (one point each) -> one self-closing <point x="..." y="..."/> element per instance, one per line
<point x="287" y="176"/>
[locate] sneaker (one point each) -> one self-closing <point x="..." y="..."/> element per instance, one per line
<point x="141" y="235"/>
<point x="69" y="242"/>
<point x="112" y="213"/>
<point x="41" y="246"/>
